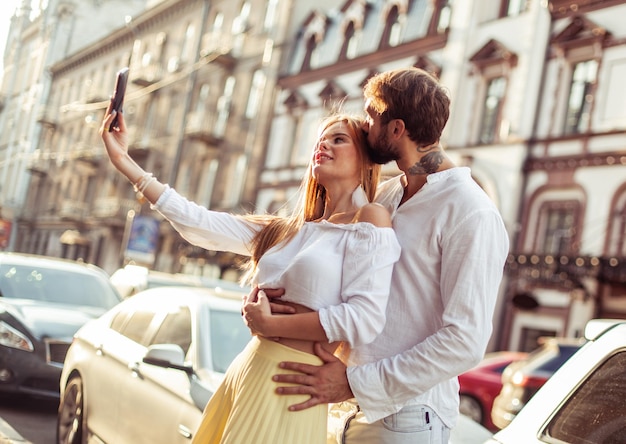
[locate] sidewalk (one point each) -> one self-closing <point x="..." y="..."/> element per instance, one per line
<point x="8" y="435"/>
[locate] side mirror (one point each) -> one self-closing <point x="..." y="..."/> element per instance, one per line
<point x="167" y="356"/>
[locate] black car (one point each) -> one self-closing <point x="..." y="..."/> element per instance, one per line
<point x="43" y="302"/>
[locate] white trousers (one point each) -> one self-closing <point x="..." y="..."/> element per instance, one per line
<point x="416" y="424"/>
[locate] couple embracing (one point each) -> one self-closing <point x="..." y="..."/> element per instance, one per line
<point x="375" y="297"/>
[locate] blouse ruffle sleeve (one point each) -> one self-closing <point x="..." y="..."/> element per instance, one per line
<point x="367" y="268"/>
<point x="212" y="230"/>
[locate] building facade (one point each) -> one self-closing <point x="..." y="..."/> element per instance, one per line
<point x="224" y="102"/>
<point x="568" y="259"/>
<point x="536" y="113"/>
<point x="37" y="39"/>
<point x="196" y="107"/>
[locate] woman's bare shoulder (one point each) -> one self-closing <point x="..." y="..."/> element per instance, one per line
<point x="375" y="214"/>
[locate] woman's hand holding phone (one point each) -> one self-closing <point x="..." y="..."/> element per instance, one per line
<point x="117" y="101"/>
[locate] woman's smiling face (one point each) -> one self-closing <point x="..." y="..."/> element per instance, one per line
<point x="336" y="155"/>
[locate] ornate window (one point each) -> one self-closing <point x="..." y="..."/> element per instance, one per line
<point x="207" y="182"/>
<point x="393" y="28"/>
<point x="579" y="46"/>
<point x="310" y="52"/>
<point x="312" y="35"/>
<point x="616" y="239"/>
<point x="186" y="49"/>
<point x="353" y="13"/>
<point x="256" y="93"/>
<point x="557" y="227"/>
<point x="492" y="62"/>
<point x="223" y="107"/>
<point x="240" y="27"/>
<point x="578" y="114"/>
<point x="553" y="224"/>
<point x="270" y="15"/>
<point x="348" y="48"/>
<point x="214" y="36"/>
<point x="492" y="105"/>
<point x="442" y="14"/>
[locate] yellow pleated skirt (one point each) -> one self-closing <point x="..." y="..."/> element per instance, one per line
<point x="246" y="410"/>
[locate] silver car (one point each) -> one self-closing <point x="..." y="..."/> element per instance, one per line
<point x="143" y="372"/>
<point x="43" y="302"/>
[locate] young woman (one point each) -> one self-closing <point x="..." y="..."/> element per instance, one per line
<point x="334" y="257"/>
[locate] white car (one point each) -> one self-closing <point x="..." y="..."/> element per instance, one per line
<point x="584" y="401"/>
<point x="143" y="371"/>
<point x="134" y="278"/>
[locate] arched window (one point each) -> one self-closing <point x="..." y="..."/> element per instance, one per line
<point x="442" y="15"/>
<point x="310" y="55"/>
<point x="580" y="96"/>
<point x="348" y="48"/>
<point x="493" y="63"/>
<point x="393" y="29"/>
<point x="256" y="93"/>
<point x="223" y="108"/>
<point x="616" y="239"/>
<point x="580" y="45"/>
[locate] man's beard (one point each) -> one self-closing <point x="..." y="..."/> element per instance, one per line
<point x="381" y="151"/>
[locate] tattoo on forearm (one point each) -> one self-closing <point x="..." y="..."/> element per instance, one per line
<point x="427" y="164"/>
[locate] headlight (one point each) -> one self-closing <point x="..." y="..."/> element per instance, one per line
<point x="11" y="337"/>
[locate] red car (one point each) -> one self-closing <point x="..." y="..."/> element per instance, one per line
<point x="480" y="386"/>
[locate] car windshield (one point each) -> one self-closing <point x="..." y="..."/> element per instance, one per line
<point x="56" y="286"/>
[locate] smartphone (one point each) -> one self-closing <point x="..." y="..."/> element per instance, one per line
<point x="118" y="94"/>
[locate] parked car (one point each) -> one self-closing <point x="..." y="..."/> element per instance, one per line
<point x="480" y="385"/>
<point x="134" y="278"/>
<point x="43" y="302"/>
<point x="522" y="379"/>
<point x="144" y="371"/>
<point x="468" y="431"/>
<point x="584" y="401"/>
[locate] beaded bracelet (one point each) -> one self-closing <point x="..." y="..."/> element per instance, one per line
<point x="144" y="186"/>
<point x="142" y="183"/>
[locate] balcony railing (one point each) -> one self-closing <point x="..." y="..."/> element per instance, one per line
<point x="47" y="115"/>
<point x="199" y="126"/>
<point x="566" y="271"/>
<point x="73" y="210"/>
<point x="37" y="164"/>
<point x="147" y="75"/>
<point x="88" y="153"/>
<point x="113" y="208"/>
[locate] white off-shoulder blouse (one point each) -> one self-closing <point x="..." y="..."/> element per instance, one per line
<point x="341" y="270"/>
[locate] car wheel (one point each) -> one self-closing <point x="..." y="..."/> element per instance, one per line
<point x="70" y="420"/>
<point x="470" y="407"/>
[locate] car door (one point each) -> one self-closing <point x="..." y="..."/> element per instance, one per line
<point x="124" y="342"/>
<point x="584" y="401"/>
<point x="155" y="403"/>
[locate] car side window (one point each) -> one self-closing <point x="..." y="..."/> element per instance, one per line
<point x="175" y="329"/>
<point x="136" y="325"/>
<point x="595" y="412"/>
<point x="119" y="320"/>
<point x="229" y="335"/>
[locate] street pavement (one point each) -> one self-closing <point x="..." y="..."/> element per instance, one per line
<point x="8" y="435"/>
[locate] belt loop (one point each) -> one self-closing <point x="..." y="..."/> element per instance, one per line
<point x="347" y="424"/>
<point x="427" y="416"/>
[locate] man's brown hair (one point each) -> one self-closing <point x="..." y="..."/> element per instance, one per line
<point x="414" y="96"/>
